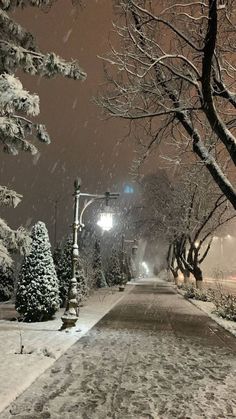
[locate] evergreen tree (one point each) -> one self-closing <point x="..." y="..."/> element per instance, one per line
<point x="114" y="269"/>
<point x="11" y="240"/>
<point x="63" y="264"/>
<point x="6" y="284"/>
<point x="37" y="296"/>
<point x="19" y="51"/>
<point x="99" y="277"/>
<point x="81" y="281"/>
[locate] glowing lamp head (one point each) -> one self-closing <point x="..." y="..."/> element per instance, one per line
<point x="106" y="221"/>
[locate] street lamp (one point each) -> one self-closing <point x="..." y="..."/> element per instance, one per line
<point x="70" y="315"/>
<point x="134" y="250"/>
<point x="106" y="220"/>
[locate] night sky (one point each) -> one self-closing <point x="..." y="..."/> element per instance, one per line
<point x="83" y="142"/>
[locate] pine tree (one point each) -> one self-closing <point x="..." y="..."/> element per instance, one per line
<point x="82" y="287"/>
<point x="99" y="276"/>
<point x="114" y="269"/>
<point x="6" y="284"/>
<point x="19" y="51"/>
<point x="37" y="296"/>
<point x="11" y="240"/>
<point x="64" y="270"/>
<point x="63" y="264"/>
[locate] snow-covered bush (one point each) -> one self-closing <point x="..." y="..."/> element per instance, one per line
<point x="197" y="294"/>
<point x="98" y="273"/>
<point x="6" y="284"/>
<point x="37" y="295"/>
<point x="225" y="306"/>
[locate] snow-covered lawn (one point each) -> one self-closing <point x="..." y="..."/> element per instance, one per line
<point x="43" y="343"/>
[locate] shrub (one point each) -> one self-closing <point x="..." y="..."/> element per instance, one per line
<point x="225" y="306"/>
<point x="197" y="294"/>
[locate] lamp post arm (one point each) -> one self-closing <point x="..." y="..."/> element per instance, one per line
<point x="86" y="205"/>
<point x="94" y="197"/>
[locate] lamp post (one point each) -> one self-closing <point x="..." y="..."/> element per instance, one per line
<point x="133" y="253"/>
<point x="70" y="315"/>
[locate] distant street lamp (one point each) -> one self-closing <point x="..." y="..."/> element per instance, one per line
<point x="70" y="315"/>
<point x="134" y="250"/>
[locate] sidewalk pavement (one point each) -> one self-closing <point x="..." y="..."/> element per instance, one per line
<point x="154" y="355"/>
<point x="43" y="342"/>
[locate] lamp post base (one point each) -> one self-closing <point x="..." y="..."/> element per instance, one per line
<point x="68" y="320"/>
<point x="70" y="315"/>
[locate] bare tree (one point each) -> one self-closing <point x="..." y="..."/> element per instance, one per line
<point x="172" y="69"/>
<point x="185" y="213"/>
<point x="202" y="210"/>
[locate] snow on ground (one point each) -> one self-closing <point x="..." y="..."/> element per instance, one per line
<point x="43" y="343"/>
<point x="153" y="356"/>
<point x="209" y="308"/>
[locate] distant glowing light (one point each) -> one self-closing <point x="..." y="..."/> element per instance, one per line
<point x="128" y="189"/>
<point x="145" y="267"/>
<point x="106" y="221"/>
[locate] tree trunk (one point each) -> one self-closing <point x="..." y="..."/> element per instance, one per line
<point x="198" y="276"/>
<point x="176" y="276"/>
<point x="186" y="277"/>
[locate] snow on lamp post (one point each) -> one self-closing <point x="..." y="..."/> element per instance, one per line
<point x="70" y="315"/>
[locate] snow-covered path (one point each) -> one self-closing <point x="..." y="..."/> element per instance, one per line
<point x="154" y="355"/>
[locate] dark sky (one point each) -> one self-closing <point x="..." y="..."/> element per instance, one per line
<point x="83" y="143"/>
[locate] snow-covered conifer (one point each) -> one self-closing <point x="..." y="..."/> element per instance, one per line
<point x="11" y="240"/>
<point x="114" y="269"/>
<point x="37" y="296"/>
<point x="19" y="51"/>
<point x="82" y="286"/>
<point x="99" y="276"/>
<point x="63" y="264"/>
<point x="6" y="283"/>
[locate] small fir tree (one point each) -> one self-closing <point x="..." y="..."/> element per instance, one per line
<point x="37" y="296"/>
<point x="6" y="283"/>
<point x="82" y="287"/>
<point x="99" y="277"/>
<point x="114" y="269"/>
<point x="63" y="265"/>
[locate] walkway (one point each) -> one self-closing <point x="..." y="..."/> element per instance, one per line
<point x="154" y="355"/>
